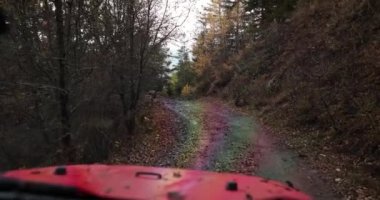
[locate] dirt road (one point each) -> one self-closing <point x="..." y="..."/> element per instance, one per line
<point x="209" y="135"/>
<point x="218" y="138"/>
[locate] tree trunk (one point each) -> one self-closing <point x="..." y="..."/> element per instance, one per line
<point x="131" y="112"/>
<point x="131" y="120"/>
<point x="63" y="98"/>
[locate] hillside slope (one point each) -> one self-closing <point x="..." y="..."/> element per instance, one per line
<point x="317" y="75"/>
<point x="321" y="70"/>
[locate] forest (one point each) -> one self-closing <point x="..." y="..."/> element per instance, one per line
<point x="312" y="65"/>
<point x="74" y="69"/>
<point x="92" y="81"/>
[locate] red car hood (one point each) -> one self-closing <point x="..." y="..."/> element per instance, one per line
<point x="132" y="182"/>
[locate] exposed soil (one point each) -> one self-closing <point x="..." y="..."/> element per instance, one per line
<point x="208" y="135"/>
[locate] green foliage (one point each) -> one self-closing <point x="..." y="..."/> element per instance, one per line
<point x="172" y="89"/>
<point x="156" y="76"/>
<point x="185" y="75"/>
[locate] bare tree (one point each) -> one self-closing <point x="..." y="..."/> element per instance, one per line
<point x="63" y="94"/>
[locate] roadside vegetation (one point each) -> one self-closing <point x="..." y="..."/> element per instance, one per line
<point x="310" y="69"/>
<point x="183" y="79"/>
<point x="73" y="74"/>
